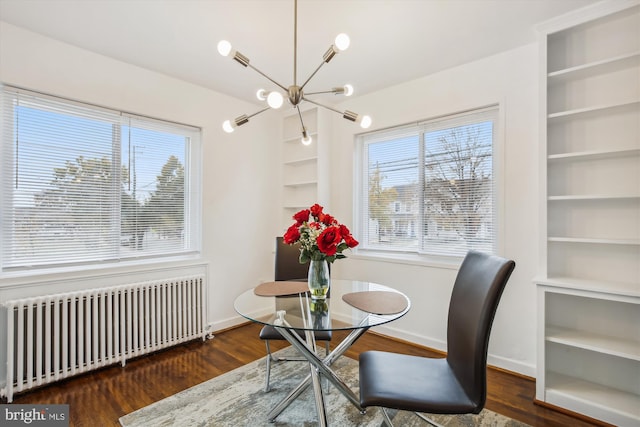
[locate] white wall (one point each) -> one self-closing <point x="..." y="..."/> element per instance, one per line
<point x="509" y="79"/>
<point x="239" y="180"/>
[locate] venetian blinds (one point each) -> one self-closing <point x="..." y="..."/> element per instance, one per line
<point x="428" y="188"/>
<point x="84" y="184"/>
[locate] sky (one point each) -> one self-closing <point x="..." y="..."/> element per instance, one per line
<point x="47" y="139"/>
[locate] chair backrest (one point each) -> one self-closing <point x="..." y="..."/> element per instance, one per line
<point x="288" y="266"/>
<point x="474" y="301"/>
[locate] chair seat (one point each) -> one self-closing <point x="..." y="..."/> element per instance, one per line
<point x="412" y="383"/>
<point x="268" y="332"/>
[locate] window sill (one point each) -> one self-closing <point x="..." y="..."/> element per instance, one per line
<point x="30" y="276"/>
<point x="448" y="263"/>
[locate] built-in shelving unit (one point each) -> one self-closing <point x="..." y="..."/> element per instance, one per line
<point x="303" y="179"/>
<point x="589" y="285"/>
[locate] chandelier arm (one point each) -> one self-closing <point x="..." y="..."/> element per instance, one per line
<point x="267" y="77"/>
<point x="312" y="74"/>
<point x="323" y="106"/>
<point x="301" y="121"/>
<point x="258" y="112"/>
<point x="335" y="90"/>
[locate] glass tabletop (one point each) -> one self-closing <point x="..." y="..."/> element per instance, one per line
<point x="351" y="305"/>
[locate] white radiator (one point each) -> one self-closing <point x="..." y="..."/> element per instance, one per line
<point x="57" y="336"/>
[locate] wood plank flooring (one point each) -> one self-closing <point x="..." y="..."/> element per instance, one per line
<point x="100" y="398"/>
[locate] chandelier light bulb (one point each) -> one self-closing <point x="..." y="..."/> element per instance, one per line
<point x="224" y="48"/>
<point x="306" y="140"/>
<point x="365" y="121"/>
<point x="261" y="94"/>
<point x="227" y="126"/>
<point x="275" y="100"/>
<point x="342" y="42"/>
<point x="348" y="90"/>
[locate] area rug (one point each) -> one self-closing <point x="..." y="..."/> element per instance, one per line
<point x="236" y="398"/>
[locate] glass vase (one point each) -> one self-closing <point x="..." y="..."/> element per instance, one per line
<point x="319" y="279"/>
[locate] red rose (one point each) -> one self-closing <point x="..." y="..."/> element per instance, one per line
<point x="315" y="225"/>
<point x="350" y="241"/>
<point x="328" y="240"/>
<point x="302" y="216"/>
<point x="292" y="235"/>
<point x="316" y="210"/>
<point x="327" y="219"/>
<point x="348" y="238"/>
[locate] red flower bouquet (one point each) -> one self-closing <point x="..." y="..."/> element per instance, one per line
<point x="320" y="235"/>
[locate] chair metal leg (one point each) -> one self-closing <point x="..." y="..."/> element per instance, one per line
<point x="429" y="420"/>
<point x="387" y="419"/>
<point x="268" y="370"/>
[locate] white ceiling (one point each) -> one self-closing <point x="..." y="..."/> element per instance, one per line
<point x="392" y="41"/>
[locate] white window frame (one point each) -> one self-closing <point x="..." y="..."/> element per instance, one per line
<point x="192" y="194"/>
<point x="361" y="190"/>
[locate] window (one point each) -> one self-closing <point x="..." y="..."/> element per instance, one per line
<point x="85" y="185"/>
<point x="428" y="188"/>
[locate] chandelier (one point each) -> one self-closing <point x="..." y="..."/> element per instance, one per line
<point x="294" y="93"/>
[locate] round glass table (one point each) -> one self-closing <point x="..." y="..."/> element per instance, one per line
<point x="350" y="305"/>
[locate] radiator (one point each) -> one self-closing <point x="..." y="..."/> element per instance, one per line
<point x="54" y="337"/>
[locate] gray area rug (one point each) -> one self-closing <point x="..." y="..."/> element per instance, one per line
<point x="236" y="398"/>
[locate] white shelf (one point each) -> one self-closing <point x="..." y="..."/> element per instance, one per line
<point x="593" y="197"/>
<point x="593" y="399"/>
<point x="594" y="68"/>
<point x="302" y="161"/>
<point x="593" y="286"/>
<point x="631" y="242"/>
<point x="592" y="109"/>
<point x="595" y="154"/>
<point x="297" y="139"/>
<point x="594" y="342"/>
<point x="300" y="183"/>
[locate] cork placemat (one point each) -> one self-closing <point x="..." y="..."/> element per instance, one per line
<point x="377" y="302"/>
<point x="280" y="288"/>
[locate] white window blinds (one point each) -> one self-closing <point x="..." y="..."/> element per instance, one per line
<point x="428" y="188"/>
<point x="83" y="184"/>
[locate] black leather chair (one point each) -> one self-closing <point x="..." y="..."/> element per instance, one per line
<point x="287" y="267"/>
<point x="456" y="384"/>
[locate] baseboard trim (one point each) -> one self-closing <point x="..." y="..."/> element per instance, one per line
<point x="576" y="415"/>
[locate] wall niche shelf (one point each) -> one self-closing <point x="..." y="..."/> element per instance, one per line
<point x="302" y="161"/>
<point x="588" y="357"/>
<point x="304" y="167"/>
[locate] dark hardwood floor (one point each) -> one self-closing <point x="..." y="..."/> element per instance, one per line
<point x="102" y="397"/>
